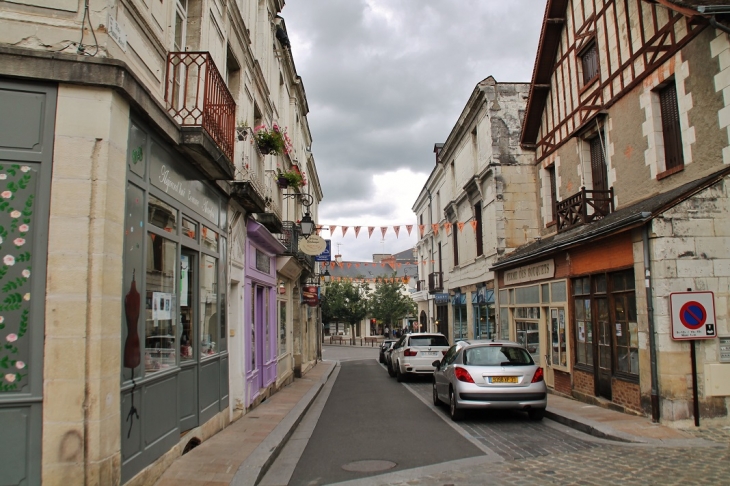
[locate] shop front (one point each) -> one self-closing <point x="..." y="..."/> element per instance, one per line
<point x="174" y="338"/>
<point x="441" y="301"/>
<point x="262" y="334"/>
<point x="576" y="313"/>
<point x="482" y="302"/>
<point x="460" y="318"/>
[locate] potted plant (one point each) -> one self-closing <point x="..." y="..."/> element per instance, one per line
<point x="242" y="129"/>
<point x="274" y="141"/>
<point x="291" y="178"/>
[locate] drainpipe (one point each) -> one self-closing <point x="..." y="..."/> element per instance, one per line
<point x="718" y="25"/>
<point x="430" y="221"/>
<point x="650" y="318"/>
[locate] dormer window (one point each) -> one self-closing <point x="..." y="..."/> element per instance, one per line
<point x="589" y="63"/>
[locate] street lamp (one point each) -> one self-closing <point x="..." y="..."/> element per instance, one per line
<point x="327" y="277"/>
<point x="307" y="225"/>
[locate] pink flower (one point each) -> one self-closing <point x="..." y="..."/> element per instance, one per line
<point x="26" y="296"/>
<point x="19" y="241"/>
<point x="10" y="377"/>
<point x="9" y="260"/>
<point x="11" y="338"/>
<point x="26" y="273"/>
<point x="6" y="194"/>
<point x="15" y="214"/>
<point x="3" y="177"/>
<point x="25" y="168"/>
<point x="20" y="365"/>
<point x="23" y="228"/>
<point x="2" y="319"/>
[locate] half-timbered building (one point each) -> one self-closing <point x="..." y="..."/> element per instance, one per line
<point x="628" y="116"/>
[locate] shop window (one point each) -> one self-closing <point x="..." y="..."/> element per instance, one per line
<point x="504" y="322"/>
<point x="460" y="324"/>
<point x="527" y="295"/>
<point x="583" y="321"/>
<point x="626" y="324"/>
<point x="557" y="330"/>
<point x="545" y="290"/>
<point x="282" y="327"/>
<point x="161" y="214"/>
<point x="528" y="335"/>
<point x="187" y="282"/>
<point x="208" y="305"/>
<point x="160" y="305"/>
<point x="559" y="291"/>
<point x="484" y="325"/>
<point x="252" y="344"/>
<point x="209" y="239"/>
<point x="189" y="229"/>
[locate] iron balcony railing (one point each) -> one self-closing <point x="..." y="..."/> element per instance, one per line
<point x="196" y="95"/>
<point x="583" y="208"/>
<point x="420" y="285"/>
<point x="289" y="237"/>
<point x="435" y="282"/>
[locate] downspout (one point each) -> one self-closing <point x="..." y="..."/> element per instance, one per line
<point x="718" y="25"/>
<point x="650" y="319"/>
<point x="430" y="221"/>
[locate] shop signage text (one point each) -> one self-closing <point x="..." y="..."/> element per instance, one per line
<point x="536" y="271"/>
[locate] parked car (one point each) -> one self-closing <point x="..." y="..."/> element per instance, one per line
<point x="489" y="375"/>
<point x="414" y="354"/>
<point x="383" y="347"/>
<point x="388" y="353"/>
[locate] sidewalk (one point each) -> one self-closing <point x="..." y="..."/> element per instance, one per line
<point x="240" y="454"/>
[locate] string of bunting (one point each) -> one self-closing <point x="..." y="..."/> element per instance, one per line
<point x="403" y="280"/>
<point x="373" y="264"/>
<point x="422" y="228"/>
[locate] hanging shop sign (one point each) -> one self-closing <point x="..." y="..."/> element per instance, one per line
<point x="326" y="255"/>
<point x="528" y="273"/>
<point x="310" y="295"/>
<point x="172" y="178"/>
<point x="314" y="245"/>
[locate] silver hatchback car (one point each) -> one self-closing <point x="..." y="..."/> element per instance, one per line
<point x="489" y="375"/>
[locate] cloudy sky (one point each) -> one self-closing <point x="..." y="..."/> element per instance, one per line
<point x="385" y="81"/>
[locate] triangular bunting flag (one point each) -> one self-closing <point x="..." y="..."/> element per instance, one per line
<point x="357" y="231"/>
<point x="435" y="228"/>
<point x="332" y="229"/>
<point x="357" y="265"/>
<point x="382" y="264"/>
<point x="370" y="231"/>
<point x="397" y="230"/>
<point x="349" y="264"/>
<point x="341" y="264"/>
<point x="421" y="228"/>
<point x="409" y="227"/>
<point x="447" y="227"/>
<point x="461" y="226"/>
<point x="344" y="230"/>
<point x="474" y="224"/>
<point x="383" y="229"/>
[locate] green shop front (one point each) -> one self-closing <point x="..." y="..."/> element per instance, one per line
<point x="174" y="352"/>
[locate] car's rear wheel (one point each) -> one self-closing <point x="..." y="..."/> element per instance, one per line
<point x="380" y="359"/>
<point x="391" y="371"/>
<point x="536" y="413"/>
<point x="455" y="412"/>
<point x="436" y="400"/>
<point x="398" y="375"/>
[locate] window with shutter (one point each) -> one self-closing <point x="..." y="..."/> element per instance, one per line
<point x="673" y="155"/>
<point x="589" y="62"/>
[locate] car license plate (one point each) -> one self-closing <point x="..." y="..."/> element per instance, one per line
<point x="503" y="379"/>
<point x="429" y="353"/>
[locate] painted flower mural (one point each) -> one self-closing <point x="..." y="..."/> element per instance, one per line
<point x="17" y="187"/>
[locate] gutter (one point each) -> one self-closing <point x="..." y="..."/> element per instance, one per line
<point x="650" y="322"/>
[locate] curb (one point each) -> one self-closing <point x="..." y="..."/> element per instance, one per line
<point x="257" y="464"/>
<point x="585" y="428"/>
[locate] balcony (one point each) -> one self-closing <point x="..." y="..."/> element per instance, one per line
<point x="289" y="237"/>
<point x="435" y="282"/>
<point x="420" y="285"/>
<point x="583" y="208"/>
<point x="197" y="98"/>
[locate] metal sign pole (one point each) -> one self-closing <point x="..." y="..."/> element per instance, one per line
<point x="695" y="399"/>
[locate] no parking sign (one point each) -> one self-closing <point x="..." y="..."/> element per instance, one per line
<point x="693" y="315"/>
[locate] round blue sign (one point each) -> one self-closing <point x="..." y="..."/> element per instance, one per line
<point x="693" y="315"/>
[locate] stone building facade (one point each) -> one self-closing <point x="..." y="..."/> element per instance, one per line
<point x="627" y="115"/>
<point x="140" y="207"/>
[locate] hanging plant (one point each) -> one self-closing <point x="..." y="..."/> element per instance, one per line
<point x="291" y="178"/>
<point x="274" y="141"/>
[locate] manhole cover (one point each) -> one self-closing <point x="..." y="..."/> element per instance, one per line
<point x="369" y="466"/>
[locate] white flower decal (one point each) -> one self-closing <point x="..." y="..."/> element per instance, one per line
<point x="2" y="319"/>
<point x="26" y="273"/>
<point x="26" y="296"/>
<point x="25" y="168"/>
<point x="11" y="338"/>
<point x="10" y="377"/>
<point x="6" y="194"/>
<point x="20" y="365"/>
<point x="3" y="177"/>
<point x="9" y="260"/>
<point x="19" y="241"/>
<point x="23" y="228"/>
<point x="15" y="214"/>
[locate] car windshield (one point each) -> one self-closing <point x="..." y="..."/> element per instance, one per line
<point x="429" y="341"/>
<point x="497" y="356"/>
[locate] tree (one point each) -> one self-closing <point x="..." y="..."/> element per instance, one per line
<point x="345" y="302"/>
<point x="388" y="304"/>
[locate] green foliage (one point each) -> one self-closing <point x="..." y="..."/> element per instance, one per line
<point x="270" y="141"/>
<point x="389" y="305"/>
<point x="345" y="302"/>
<point x="293" y="178"/>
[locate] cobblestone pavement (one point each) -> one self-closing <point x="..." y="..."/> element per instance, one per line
<point x="537" y="453"/>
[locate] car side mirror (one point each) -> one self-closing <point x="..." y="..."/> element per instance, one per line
<point x="436" y="363"/>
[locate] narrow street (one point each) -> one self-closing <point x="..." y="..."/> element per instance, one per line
<point x="365" y="428"/>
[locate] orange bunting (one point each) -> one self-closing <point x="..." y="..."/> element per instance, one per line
<point x="349" y="264"/>
<point x="435" y="228"/>
<point x="461" y="226"/>
<point x="397" y="230"/>
<point x="357" y="265"/>
<point x="357" y="231"/>
<point x="409" y="227"/>
<point x="383" y="229"/>
<point x="344" y="230"/>
<point x="447" y="227"/>
<point x="332" y="229"/>
<point x="421" y="228"/>
<point x="474" y="224"/>
<point x="370" y="231"/>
